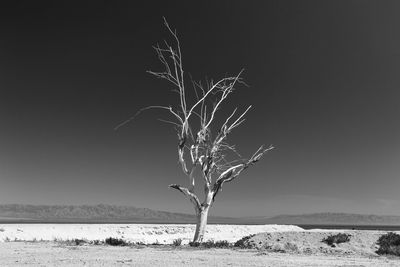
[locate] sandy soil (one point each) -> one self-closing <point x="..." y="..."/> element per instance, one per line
<point x="361" y="243"/>
<point x="53" y="254"/>
<point x="274" y="245"/>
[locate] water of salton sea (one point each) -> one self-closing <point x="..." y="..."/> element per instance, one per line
<point x="351" y="227"/>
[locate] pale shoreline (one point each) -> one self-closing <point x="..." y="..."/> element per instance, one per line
<point x="144" y="233"/>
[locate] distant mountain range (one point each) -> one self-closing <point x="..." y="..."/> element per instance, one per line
<point x="95" y="213"/>
<point x="118" y="214"/>
<point x="331" y="219"/>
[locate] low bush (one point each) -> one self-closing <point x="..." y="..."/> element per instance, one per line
<point x="115" y="242"/>
<point x="208" y="244"/>
<point x="389" y="244"/>
<point x="243" y="242"/>
<point x="222" y="244"/>
<point x="211" y="244"/>
<point x="177" y="242"/>
<point x="194" y="244"/>
<point x="156" y="243"/>
<point x="79" y="242"/>
<point x="337" y="239"/>
<point x="96" y="242"/>
<point x="70" y="242"/>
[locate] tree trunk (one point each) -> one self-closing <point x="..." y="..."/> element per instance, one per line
<point x="201" y="224"/>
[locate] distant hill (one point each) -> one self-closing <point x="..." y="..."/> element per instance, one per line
<point x="118" y="214"/>
<point x="329" y="218"/>
<point x="96" y="213"/>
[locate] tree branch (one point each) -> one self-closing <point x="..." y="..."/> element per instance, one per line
<point x="233" y="172"/>
<point x="146" y="108"/>
<point x="193" y="198"/>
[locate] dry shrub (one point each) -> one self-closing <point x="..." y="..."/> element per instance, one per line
<point x="222" y="244"/>
<point x="244" y="242"/>
<point x="337" y="239"/>
<point x="79" y="242"/>
<point x="211" y="244"/>
<point x="194" y="244"/>
<point x="177" y="242"/>
<point x="115" y="242"/>
<point x="389" y="244"/>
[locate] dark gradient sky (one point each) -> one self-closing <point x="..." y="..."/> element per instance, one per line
<point x="324" y="82"/>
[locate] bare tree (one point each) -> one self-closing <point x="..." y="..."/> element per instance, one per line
<point x="202" y="149"/>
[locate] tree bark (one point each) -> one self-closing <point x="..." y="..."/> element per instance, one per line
<point x="201" y="224"/>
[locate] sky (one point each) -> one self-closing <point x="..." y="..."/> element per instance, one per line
<point x="323" y="80"/>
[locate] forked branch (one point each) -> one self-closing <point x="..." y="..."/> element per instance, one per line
<point x="192" y="197"/>
<point x="233" y="172"/>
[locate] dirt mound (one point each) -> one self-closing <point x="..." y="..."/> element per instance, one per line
<point x="310" y="242"/>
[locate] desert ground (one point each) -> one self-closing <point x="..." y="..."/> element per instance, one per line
<point x="274" y="245"/>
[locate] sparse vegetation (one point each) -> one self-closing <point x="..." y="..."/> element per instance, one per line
<point x="244" y="242"/>
<point x="71" y="242"/>
<point x="79" y="242"/>
<point x="336" y="239"/>
<point x="177" y="242"/>
<point x="96" y="242"/>
<point x="156" y="243"/>
<point x="208" y="244"/>
<point x="389" y="244"/>
<point x="211" y="244"/>
<point x="222" y="244"/>
<point x="116" y="242"/>
<point x="194" y="244"/>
